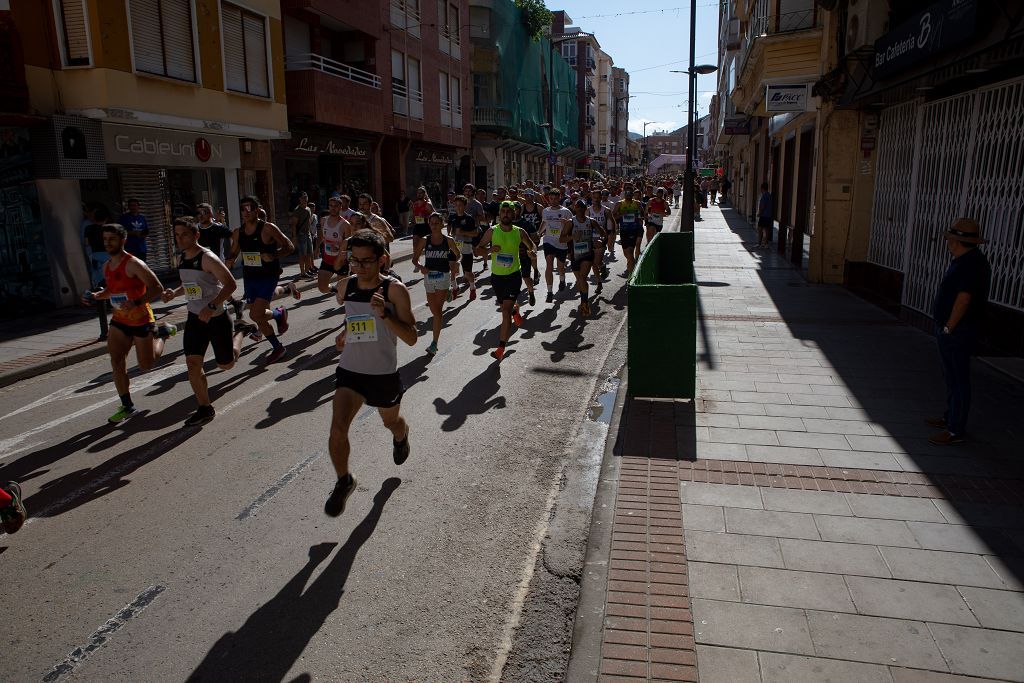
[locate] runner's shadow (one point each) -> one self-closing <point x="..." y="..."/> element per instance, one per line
<point x="22" y="468"/>
<point x="273" y="638"/>
<point x="474" y="399"/>
<point x="569" y="340"/>
<point x="414" y="371"/>
<point x="309" y="399"/>
<point x="539" y="323"/>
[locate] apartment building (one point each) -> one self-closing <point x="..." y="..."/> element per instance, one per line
<point x="580" y="50"/>
<point x="620" y="122"/>
<point x="605" y="128"/>
<point x="376" y="99"/>
<point x="170" y="102"/>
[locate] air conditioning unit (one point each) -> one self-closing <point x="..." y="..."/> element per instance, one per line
<point x="864" y="24"/>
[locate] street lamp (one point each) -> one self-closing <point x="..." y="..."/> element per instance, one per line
<point x="691" y="138"/>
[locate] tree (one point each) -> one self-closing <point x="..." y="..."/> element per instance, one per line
<point x="536" y="16"/>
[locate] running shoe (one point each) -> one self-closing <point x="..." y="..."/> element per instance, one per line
<point x="281" y="319"/>
<point x="276" y="354"/>
<point x="432" y="349"/>
<point x="294" y="289"/>
<point x="550" y="297"/>
<point x="165" y="332"/>
<point x="254" y="333"/>
<point x="533" y="299"/>
<point x="561" y="285"/>
<point x="14" y="515"/>
<point x="498" y="353"/>
<point x="517" y="317"/>
<point x="237" y="305"/>
<point x="450" y="295"/>
<point x="335" y="504"/>
<point x="585" y="308"/>
<point x="600" y="286"/>
<point x="472" y="294"/>
<point x="202" y="415"/>
<point x="122" y="414"/>
<point x="401" y="450"/>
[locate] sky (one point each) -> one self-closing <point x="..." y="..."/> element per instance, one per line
<point x="648" y="38"/>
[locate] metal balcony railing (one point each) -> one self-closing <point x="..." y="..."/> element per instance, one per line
<point x="405" y="15"/>
<point x="406" y="102"/>
<point x="763" y="23"/>
<point x="591" y="64"/>
<point x="304" y="61"/>
<point x="492" y="117"/>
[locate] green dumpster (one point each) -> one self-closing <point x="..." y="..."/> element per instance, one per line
<point x="662" y="320"/>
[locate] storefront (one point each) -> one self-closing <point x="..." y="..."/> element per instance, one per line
<point x="433" y="169"/>
<point x="169" y="172"/>
<point x="320" y="165"/>
<point x="25" y="281"/>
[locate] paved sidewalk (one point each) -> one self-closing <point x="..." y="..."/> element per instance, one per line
<point x="793" y="523"/>
<point x="30" y="347"/>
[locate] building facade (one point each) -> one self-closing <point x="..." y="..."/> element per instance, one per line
<point x="170" y="102"/>
<point x="376" y="100"/>
<point x="618" y="159"/>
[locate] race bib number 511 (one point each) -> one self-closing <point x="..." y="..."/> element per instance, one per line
<point x="361" y="328"/>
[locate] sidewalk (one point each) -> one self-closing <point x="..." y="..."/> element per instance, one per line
<point x="33" y="346"/>
<point x="793" y="523"/>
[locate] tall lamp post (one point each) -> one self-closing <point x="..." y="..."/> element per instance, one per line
<point x="691" y="137"/>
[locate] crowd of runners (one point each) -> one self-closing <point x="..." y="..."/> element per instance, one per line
<point x="579" y="226"/>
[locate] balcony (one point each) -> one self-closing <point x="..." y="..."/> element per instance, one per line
<point x="323" y="90"/>
<point x="496" y="118"/>
<point x="591" y="64"/>
<point x="406" y="101"/>
<point x="405" y="16"/>
<point x="448" y="42"/>
<point x="451" y="114"/>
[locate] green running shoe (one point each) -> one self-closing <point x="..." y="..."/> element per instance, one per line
<point x="122" y="414"/>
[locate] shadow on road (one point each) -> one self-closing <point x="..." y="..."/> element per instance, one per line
<point x="270" y="641"/>
<point x="476" y="398"/>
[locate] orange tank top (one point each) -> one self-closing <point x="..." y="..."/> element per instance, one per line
<point x="123" y="289"/>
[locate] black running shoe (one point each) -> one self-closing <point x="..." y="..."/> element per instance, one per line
<point x="335" y="504"/>
<point x="13" y="516"/>
<point x="561" y="285"/>
<point x="550" y="297"/>
<point x="533" y="299"/>
<point x="401" y="451"/>
<point x="202" y="415"/>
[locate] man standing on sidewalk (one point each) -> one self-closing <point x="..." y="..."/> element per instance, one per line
<point x="138" y="229"/>
<point x="958" y="311"/>
<point x="765" y="211"/>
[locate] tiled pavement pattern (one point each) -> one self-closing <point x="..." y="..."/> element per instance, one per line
<point x="793" y="523"/>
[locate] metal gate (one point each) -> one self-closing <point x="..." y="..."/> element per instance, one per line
<point x="146" y="183"/>
<point x="961" y="156"/>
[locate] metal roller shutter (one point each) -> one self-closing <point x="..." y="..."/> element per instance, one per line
<point x="76" y="41"/>
<point x="256" y="55"/>
<point x="146" y="184"/>
<point x="162" y="38"/>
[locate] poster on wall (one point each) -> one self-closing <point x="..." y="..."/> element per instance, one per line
<point x="25" y="284"/>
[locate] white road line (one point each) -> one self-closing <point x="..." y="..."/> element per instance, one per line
<point x="519" y="598"/>
<point x="100" y="636"/>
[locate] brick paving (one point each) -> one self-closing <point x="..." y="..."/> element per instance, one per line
<point x="793" y="523"/>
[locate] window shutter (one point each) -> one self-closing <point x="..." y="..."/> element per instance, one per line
<point x="146" y="39"/>
<point x="76" y="43"/>
<point x="256" y="55"/>
<point x="177" y="25"/>
<point x="234" y="48"/>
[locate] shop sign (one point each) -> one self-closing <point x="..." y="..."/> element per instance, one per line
<point x="736" y="125"/>
<point x="425" y="156"/>
<point x="942" y="25"/>
<point x="785" y="98"/>
<point x="348" y="150"/>
<point x="137" y="145"/>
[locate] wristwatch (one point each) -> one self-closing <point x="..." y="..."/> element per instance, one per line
<point x="212" y="306"/>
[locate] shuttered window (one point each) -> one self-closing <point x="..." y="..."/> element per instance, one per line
<point x="162" y="38"/>
<point x="75" y="30"/>
<point x="245" y="51"/>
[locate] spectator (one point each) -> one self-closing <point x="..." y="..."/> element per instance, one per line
<point x="402" y="207"/>
<point x="301" y="222"/>
<point x="765" y="222"/>
<point x="138" y="229"/>
<point x="726" y="186"/>
<point x="958" y="311"/>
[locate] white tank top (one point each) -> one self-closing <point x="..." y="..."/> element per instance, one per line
<point x="334" y="235"/>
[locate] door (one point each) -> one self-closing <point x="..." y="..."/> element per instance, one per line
<point x="805" y="168"/>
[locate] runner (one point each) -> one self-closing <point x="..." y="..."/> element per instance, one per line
<point x="261" y="245"/>
<point x="438" y="269"/>
<point x="463" y="227"/>
<point x="421" y="210"/>
<point x="378" y="313"/>
<point x="131" y="285"/>
<point x="12" y="509"/>
<point x="628" y="213"/>
<point x="334" y="263"/>
<point x="212" y="235"/>
<point x="555" y="218"/>
<point x="579" y="235"/>
<point x="502" y="241"/>
<point x="207" y="284"/>
<point x="602" y="215"/>
<point x="657" y="209"/>
<point x="529" y="221"/>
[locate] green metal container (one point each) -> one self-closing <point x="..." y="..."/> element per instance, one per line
<point x="662" y="320"/>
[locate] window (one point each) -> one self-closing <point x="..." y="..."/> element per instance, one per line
<point x="162" y="38"/>
<point x="406" y="88"/>
<point x="73" y="30"/>
<point x="569" y="51"/>
<point x="456" y="95"/>
<point x="448" y="29"/>
<point x="446" y="103"/>
<point x="245" y="51"/>
<point x="483" y="90"/>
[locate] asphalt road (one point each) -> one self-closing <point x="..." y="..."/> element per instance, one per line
<point x="162" y="553"/>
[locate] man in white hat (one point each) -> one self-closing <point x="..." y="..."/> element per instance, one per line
<point x="958" y="311"/>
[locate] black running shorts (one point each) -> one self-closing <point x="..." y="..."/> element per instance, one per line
<point x="507" y="287"/>
<point x="217" y="332"/>
<point x="379" y="391"/>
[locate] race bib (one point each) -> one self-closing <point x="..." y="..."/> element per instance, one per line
<point x="252" y="259"/>
<point x="629" y="218"/>
<point x="361" y="328"/>
<point x="655" y="219"/>
<point x="420" y="220"/>
<point x="467" y="245"/>
<point x="193" y="292"/>
<point x="331" y="248"/>
<point x="436" y="276"/>
<point x="554" y="229"/>
<point x="119" y="301"/>
<point x="580" y="248"/>
<point x="504" y="260"/>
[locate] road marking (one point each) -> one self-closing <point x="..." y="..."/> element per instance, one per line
<point x="103" y="633"/>
<point x="519" y="598"/>
<point x="276" y="488"/>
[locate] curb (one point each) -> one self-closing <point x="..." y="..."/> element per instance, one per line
<point x="94" y="349"/>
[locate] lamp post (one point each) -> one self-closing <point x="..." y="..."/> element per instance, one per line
<point x="691" y="137"/>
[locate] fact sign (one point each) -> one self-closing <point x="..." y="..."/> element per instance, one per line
<point x="785" y="98"/>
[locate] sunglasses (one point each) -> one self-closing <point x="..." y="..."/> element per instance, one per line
<point x="362" y="261"/>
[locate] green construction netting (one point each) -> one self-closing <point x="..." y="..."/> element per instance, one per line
<point x="521" y="81"/>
